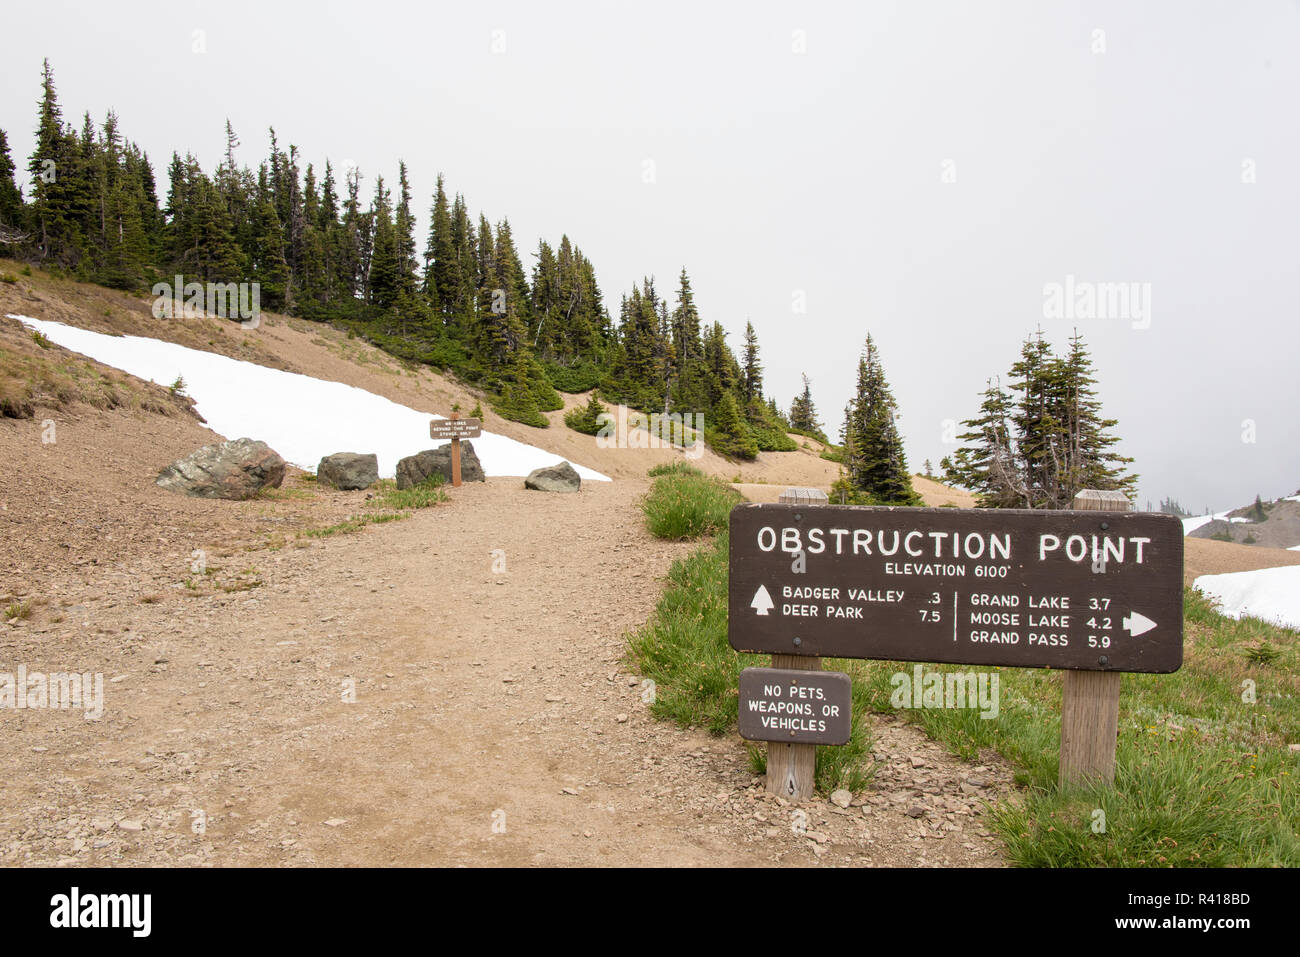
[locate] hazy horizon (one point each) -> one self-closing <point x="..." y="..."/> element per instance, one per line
<point x="921" y="174"/>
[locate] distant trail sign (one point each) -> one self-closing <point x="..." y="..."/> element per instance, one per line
<point x="454" y="428"/>
<point x="1087" y="590"/>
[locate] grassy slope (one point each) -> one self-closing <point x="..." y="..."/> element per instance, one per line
<point x="1205" y="777"/>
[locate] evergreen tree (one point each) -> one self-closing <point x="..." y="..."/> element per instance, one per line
<point x="441" y="263"/>
<point x="586" y="418"/>
<point x="987" y="464"/>
<point x="803" y="414"/>
<point x="50" y="166"/>
<point x="383" y="278"/>
<point x="752" y="376"/>
<point x="11" y="200"/>
<point x="725" y="431"/>
<point x="876" y="467"/>
<point x="1039" y="443"/>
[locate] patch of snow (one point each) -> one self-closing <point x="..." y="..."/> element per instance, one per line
<point x="1272" y="594"/>
<point x="300" y="417"/>
<point x="1192" y="524"/>
<point x="1292" y="498"/>
<point x="1293" y="548"/>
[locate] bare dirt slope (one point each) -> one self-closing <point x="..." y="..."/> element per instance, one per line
<point x="317" y="350"/>
<point x="484" y="699"/>
<point x="1205" y="557"/>
<point x="495" y="721"/>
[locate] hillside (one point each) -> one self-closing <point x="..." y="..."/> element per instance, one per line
<point x="1279" y="527"/>
<point x="225" y="630"/>
<point x="317" y="350"/>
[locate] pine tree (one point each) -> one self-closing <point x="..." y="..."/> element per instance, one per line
<point x="752" y="372"/>
<point x="1091" y="461"/>
<point x="690" y="392"/>
<point x="876" y="467"/>
<point x="803" y="414"/>
<point x="51" y="166"/>
<point x="404" y="238"/>
<point x="1039" y="443"/>
<point x="441" y="263"/>
<point x="11" y="200"/>
<point x="988" y="463"/>
<point x="383" y="278"/>
<point x="726" y="433"/>
<point x="586" y="418"/>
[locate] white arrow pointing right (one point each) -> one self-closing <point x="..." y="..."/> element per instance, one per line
<point x="1136" y="624"/>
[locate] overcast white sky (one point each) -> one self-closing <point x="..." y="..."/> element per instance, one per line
<point x="777" y="171"/>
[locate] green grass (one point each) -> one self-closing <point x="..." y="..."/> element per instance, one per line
<point x="356" y="523"/>
<point x="687" y="504"/>
<point x="18" y="611"/>
<point x="673" y="468"/>
<point x="388" y="504"/>
<point x="684" y="649"/>
<point x="418" y="496"/>
<point x="1204" y="778"/>
<point x="269" y="493"/>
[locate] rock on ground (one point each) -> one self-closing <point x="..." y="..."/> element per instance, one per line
<point x="234" y="470"/>
<point x="348" y="470"/>
<point x="415" y="469"/>
<point x="561" y="477"/>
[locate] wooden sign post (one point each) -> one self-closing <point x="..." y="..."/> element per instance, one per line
<point x="455" y="455"/>
<point x="1090" y="699"/>
<point x="455" y="428"/>
<point x="792" y="768"/>
<point x="1094" y="591"/>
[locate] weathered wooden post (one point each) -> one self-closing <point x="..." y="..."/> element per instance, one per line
<point x="454" y="428"/>
<point x="792" y="768"/>
<point x="1090" y="699"/>
<point x="455" y="455"/>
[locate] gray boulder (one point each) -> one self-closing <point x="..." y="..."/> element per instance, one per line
<point x="561" y="477"/>
<point x="348" y="470"/>
<point x="234" y="470"/>
<point x="415" y="469"/>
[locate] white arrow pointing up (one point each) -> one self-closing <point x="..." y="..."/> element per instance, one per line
<point x="1138" y="624"/>
<point x="762" y="602"/>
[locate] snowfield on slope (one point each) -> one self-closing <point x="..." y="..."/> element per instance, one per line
<point x="1192" y="524"/>
<point x="1272" y="594"/>
<point x="300" y="417"/>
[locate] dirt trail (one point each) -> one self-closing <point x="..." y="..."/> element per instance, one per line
<point x="495" y="719"/>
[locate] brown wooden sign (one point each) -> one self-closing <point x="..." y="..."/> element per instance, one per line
<point x="455" y="429"/>
<point x="797" y="707"/>
<point x="1087" y="590"/>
